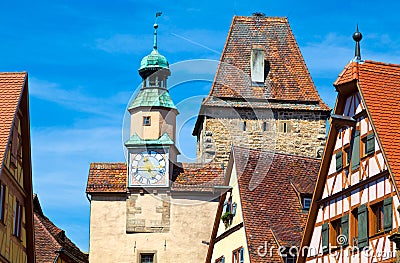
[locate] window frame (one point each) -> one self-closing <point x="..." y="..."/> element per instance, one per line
<point x="366" y="150"/>
<point x="335" y="231"/>
<point x="146" y="254"/>
<point x="17" y="222"/>
<point x="221" y="259"/>
<point x="146" y="120"/>
<point x="376" y="218"/>
<point x="304" y="202"/>
<point x="354" y="227"/>
<point x="285" y="126"/>
<point x="238" y="255"/>
<point x="3" y="192"/>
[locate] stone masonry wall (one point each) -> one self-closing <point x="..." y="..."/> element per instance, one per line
<point x="301" y="133"/>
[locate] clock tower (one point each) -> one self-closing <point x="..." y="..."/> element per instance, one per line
<point x="151" y="146"/>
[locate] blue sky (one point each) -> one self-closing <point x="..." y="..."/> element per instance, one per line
<point x="82" y="58"/>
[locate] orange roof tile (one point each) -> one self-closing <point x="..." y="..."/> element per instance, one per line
<point x="11" y="86"/>
<point x="107" y="177"/>
<point x="112" y="177"/>
<point x="379" y="85"/>
<point x="273" y="209"/>
<point x="197" y="177"/>
<point x="288" y="78"/>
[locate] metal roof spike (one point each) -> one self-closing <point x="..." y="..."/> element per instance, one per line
<point x="357" y="36"/>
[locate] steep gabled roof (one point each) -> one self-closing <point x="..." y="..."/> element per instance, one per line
<point x="11" y="87"/>
<point x="379" y="87"/>
<point x="272" y="210"/>
<point x="50" y="241"/>
<point x="288" y="78"/>
<point x="274" y="203"/>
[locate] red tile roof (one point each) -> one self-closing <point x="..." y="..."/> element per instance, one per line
<point x="50" y="241"/>
<point x="379" y="85"/>
<point x="288" y="78"/>
<point x="11" y="86"/>
<point x="273" y="209"/>
<point x="197" y="177"/>
<point x="107" y="177"/>
<point x="112" y="177"/>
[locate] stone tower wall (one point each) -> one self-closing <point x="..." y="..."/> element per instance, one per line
<point x="305" y="135"/>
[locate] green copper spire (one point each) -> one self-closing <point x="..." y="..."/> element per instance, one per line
<point x="154" y="61"/>
<point x="154" y="69"/>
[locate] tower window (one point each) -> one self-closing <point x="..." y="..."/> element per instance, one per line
<point x="244" y="126"/>
<point x="257" y="65"/>
<point x="146" y="121"/>
<point x="285" y="127"/>
<point x="264" y="126"/>
<point x="147" y="258"/>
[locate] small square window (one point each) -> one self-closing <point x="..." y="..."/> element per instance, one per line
<point x="306" y="203"/>
<point x="285" y="127"/>
<point x="368" y="143"/>
<point x="147" y="258"/>
<point x="146" y="121"/>
<point x="265" y="127"/>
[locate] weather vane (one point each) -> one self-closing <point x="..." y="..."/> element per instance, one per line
<point x="155" y="30"/>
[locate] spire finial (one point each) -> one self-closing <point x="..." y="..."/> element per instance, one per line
<point x="357" y="36"/>
<point x="155" y="30"/>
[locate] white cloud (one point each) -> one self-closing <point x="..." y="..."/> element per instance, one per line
<point x="75" y="99"/>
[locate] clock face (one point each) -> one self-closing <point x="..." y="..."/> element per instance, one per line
<point x="147" y="168"/>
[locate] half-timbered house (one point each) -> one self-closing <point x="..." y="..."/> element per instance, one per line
<point x="16" y="213"/>
<point x="353" y="211"/>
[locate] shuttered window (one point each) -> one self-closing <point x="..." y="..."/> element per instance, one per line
<point x="325" y="238"/>
<point x="355" y="153"/>
<point x="344" y="241"/>
<point x="362" y="226"/>
<point x="370" y="144"/>
<point x="387" y="214"/>
<point x="339" y="161"/>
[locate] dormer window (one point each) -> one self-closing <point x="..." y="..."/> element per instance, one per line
<point x="146" y="121"/>
<point x="306" y="203"/>
<point x="257" y="65"/>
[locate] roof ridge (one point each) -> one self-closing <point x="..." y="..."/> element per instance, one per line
<point x="277" y="153"/>
<point x="107" y="163"/>
<point x="276" y="18"/>
<point x="382" y="63"/>
<point x="13" y="72"/>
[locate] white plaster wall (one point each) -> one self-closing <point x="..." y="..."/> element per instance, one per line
<point x="190" y="225"/>
<point x="236" y="239"/>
